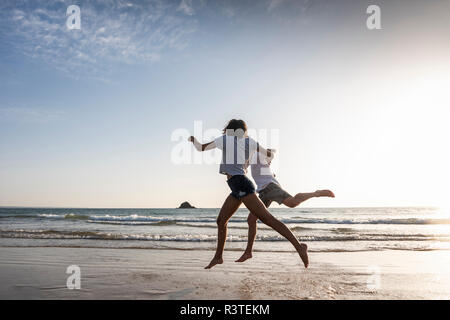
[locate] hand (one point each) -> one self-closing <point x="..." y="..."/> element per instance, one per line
<point x="271" y="156"/>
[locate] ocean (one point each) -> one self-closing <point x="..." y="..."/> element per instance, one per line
<point x="323" y="229"/>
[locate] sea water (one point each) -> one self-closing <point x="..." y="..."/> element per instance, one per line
<point x="323" y="229"/>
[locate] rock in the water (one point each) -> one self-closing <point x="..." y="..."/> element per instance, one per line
<point x="186" y="205"/>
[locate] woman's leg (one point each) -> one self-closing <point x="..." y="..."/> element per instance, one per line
<point x="229" y="207"/>
<point x="252" y="226"/>
<point x="256" y="207"/>
<point x="292" y="202"/>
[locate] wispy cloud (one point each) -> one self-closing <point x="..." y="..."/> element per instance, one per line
<point x="186" y="7"/>
<point x="273" y="4"/>
<point x="113" y="32"/>
<point x="117" y="33"/>
<point x="27" y="115"/>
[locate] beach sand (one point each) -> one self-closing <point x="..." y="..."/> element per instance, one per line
<point x="40" y="273"/>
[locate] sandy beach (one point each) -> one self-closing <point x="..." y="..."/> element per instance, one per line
<point x="40" y="273"/>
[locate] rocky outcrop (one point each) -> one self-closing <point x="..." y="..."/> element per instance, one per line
<point x="186" y="205"/>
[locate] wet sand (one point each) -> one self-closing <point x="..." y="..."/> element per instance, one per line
<point x="40" y="273"/>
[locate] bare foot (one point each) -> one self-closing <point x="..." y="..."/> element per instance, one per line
<point x="244" y="257"/>
<point x="213" y="262"/>
<point x="324" y="193"/>
<point x="303" y="252"/>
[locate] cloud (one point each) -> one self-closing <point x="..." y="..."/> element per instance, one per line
<point x="186" y="7"/>
<point x="113" y="33"/>
<point x="25" y="114"/>
<point x="117" y="33"/>
<point x="294" y="5"/>
<point x="273" y="4"/>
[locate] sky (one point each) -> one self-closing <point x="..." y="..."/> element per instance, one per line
<point x="88" y="117"/>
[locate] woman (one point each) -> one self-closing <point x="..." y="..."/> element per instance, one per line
<point x="237" y="148"/>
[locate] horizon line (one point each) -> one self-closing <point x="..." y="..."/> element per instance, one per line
<point x="143" y="208"/>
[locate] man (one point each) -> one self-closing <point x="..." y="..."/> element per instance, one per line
<point x="270" y="190"/>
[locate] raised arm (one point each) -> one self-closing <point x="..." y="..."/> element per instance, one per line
<point x="201" y="147"/>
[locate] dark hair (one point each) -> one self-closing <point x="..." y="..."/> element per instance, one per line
<point x="236" y="126"/>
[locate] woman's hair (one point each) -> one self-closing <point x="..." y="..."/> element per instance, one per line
<point x="235" y="127"/>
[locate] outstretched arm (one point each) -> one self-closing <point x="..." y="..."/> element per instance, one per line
<point x="201" y="147"/>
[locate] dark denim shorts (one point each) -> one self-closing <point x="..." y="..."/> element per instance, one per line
<point x="240" y="186"/>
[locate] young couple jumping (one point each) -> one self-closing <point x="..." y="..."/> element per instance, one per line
<point x="238" y="152"/>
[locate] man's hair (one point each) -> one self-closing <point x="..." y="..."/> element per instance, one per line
<point x="235" y="126"/>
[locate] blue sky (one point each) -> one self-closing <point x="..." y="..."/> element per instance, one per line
<point x="86" y="115"/>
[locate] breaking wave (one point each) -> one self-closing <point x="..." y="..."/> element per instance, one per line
<point x="167" y="220"/>
<point x="58" y="234"/>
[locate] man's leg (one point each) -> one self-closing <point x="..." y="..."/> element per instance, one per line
<point x="292" y="202"/>
<point x="252" y="228"/>
<point x="229" y="207"/>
